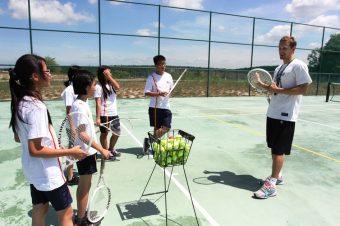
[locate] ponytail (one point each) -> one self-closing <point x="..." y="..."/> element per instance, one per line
<point x="21" y="83"/>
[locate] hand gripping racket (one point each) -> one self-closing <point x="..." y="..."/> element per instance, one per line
<point x="118" y="126"/>
<point x="100" y="199"/>
<point x="259" y="78"/>
<point x="75" y="129"/>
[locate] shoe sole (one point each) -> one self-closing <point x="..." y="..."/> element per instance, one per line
<point x="272" y="195"/>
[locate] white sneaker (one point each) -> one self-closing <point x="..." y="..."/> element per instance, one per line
<point x="267" y="190"/>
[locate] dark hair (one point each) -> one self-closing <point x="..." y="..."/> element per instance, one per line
<point x="21" y="83"/>
<point x="71" y="73"/>
<point x="82" y="81"/>
<point x="158" y="58"/>
<point x="290" y="39"/>
<point x="103" y="82"/>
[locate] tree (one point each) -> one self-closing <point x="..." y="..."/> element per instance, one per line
<point x="328" y="60"/>
<point x="52" y="64"/>
<point x="313" y="59"/>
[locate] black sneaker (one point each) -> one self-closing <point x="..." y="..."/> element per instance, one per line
<point x="146" y="146"/>
<point x="111" y="158"/>
<point x="115" y="153"/>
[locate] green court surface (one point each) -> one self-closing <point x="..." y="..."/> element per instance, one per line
<point x="228" y="159"/>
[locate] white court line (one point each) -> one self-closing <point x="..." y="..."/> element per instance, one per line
<point x="180" y="186"/>
<point x="325" y="125"/>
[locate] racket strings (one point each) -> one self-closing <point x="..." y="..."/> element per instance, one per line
<point x="257" y="77"/>
<point x="99" y="204"/>
<point x="119" y="127"/>
<point x="75" y="130"/>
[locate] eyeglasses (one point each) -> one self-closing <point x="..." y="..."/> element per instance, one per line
<point x="48" y="71"/>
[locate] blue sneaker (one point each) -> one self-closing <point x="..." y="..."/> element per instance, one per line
<point x="267" y="190"/>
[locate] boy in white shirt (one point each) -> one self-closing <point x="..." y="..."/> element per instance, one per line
<point x="158" y="85"/>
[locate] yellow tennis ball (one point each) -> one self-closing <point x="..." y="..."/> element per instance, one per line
<point x="182" y="144"/>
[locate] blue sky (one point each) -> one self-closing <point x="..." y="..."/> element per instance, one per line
<point x="130" y="20"/>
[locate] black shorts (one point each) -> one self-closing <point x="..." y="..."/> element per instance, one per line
<point x="105" y="119"/>
<point x="163" y="117"/>
<point x="280" y="136"/>
<point x="87" y="165"/>
<point x="60" y="198"/>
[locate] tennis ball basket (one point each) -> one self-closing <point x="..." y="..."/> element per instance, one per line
<point x="172" y="149"/>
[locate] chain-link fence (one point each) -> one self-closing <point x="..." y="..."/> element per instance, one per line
<point x="217" y="48"/>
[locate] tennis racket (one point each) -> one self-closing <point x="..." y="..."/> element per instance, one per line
<point x="118" y="126"/>
<point x="179" y="78"/>
<point x="259" y="78"/>
<point x="75" y="129"/>
<point x="100" y="199"/>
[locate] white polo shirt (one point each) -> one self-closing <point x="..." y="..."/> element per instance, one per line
<point x="286" y="107"/>
<point x="109" y="105"/>
<point x="159" y="83"/>
<point x="83" y="107"/>
<point x="44" y="173"/>
<point x="68" y="95"/>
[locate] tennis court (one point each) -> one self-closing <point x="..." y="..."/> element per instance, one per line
<point x="227" y="160"/>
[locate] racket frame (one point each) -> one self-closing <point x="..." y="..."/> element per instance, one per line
<point x="100" y="185"/>
<point x="179" y="78"/>
<point x="262" y="90"/>
<point x="123" y="126"/>
<point x="70" y="160"/>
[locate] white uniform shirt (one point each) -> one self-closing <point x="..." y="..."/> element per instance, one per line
<point x="109" y="106"/>
<point x="68" y="95"/>
<point x="286" y="107"/>
<point x="164" y="83"/>
<point x="83" y="107"/>
<point x="44" y="173"/>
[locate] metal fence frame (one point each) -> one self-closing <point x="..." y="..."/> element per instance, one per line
<point x="159" y="37"/>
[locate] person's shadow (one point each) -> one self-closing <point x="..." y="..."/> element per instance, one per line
<point x="246" y="182"/>
<point x="51" y="217"/>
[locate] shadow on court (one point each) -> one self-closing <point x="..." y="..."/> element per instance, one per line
<point x="137" y="209"/>
<point x="51" y="217"/>
<point x="132" y="151"/>
<point x="246" y="182"/>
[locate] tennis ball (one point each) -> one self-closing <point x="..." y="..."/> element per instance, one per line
<point x="174" y="158"/>
<point x="168" y="161"/>
<point x="178" y="138"/>
<point x="155" y="147"/>
<point x="175" y="145"/>
<point x="163" y="143"/>
<point x="182" y="144"/>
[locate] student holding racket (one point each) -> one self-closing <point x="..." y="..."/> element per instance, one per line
<point x="291" y="80"/>
<point x="32" y="127"/>
<point x="106" y="108"/>
<point x="158" y="85"/>
<point x="84" y="86"/>
<point x="69" y="97"/>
